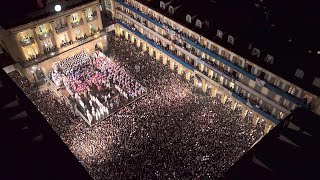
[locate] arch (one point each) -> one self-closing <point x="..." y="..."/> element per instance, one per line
<point x="188" y="18"/>
<point x="98" y="47"/>
<point x="171" y="10"/>
<point x="162" y="5"/>
<point x="199" y="23"/>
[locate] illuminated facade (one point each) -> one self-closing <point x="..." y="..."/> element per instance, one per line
<point x="214" y="68"/>
<point x="52" y="36"/>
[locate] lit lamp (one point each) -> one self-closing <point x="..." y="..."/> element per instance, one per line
<point x="57" y="8"/>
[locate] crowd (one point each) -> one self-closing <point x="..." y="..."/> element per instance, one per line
<point x="174" y="132"/>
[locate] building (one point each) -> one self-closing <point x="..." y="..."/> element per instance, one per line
<point x="45" y="36"/>
<point x="252" y="67"/>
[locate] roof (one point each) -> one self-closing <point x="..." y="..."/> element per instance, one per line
<point x="29" y="11"/>
<point x="288" y="151"/>
<point x="288" y="37"/>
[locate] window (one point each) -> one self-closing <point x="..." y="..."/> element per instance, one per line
<point x="316" y="82"/>
<point x="198" y="23"/>
<point x="219" y="34"/>
<point x="269" y="59"/>
<point x="291" y="90"/>
<point x="299" y="73"/>
<point x="162" y="5"/>
<point x="188" y="18"/>
<point x="230" y="39"/>
<point x="171" y="10"/>
<point x="255" y="52"/>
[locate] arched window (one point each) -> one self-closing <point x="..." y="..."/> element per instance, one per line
<point x="219" y="33"/>
<point x="255" y="52"/>
<point x="188" y="18"/>
<point x="162" y="5"/>
<point x="199" y="23"/>
<point x="269" y="59"/>
<point x="171" y="10"/>
<point x="230" y="39"/>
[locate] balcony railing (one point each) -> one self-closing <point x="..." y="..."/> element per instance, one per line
<point x="77" y="23"/>
<point x="49" y="50"/>
<point x="45" y="35"/>
<point x="61" y="28"/>
<point x="27" y="41"/>
<point x="93" y="16"/>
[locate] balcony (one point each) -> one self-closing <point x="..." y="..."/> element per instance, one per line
<point x="50" y="50"/>
<point x="92" y="17"/>
<point x="61" y="28"/>
<point x="45" y="35"/>
<point x="27" y="41"/>
<point x="65" y="44"/>
<point x="77" y="23"/>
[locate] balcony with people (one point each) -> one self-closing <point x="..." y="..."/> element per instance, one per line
<point x="60" y="28"/>
<point x="26" y="41"/>
<point x="91" y="15"/>
<point x="76" y="20"/>
<point x="44" y="31"/>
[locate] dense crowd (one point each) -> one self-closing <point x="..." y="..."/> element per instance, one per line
<point x="174" y="132"/>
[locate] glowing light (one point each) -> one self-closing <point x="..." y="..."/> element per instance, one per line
<point x="57" y="8"/>
<point x="34" y="67"/>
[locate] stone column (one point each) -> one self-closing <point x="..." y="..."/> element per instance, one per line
<point x="188" y="74"/>
<point x="255" y="120"/>
<point x="55" y="35"/>
<point x="144" y="46"/>
<point x="99" y="18"/>
<point x="244" y="112"/>
<point x="150" y="51"/>
<point x="267" y="127"/>
<point x="20" y="50"/>
<point x="234" y="105"/>
<point x="213" y="92"/>
<point x="157" y="55"/>
<point x="126" y="35"/>
<point x="164" y="59"/>
<point x="210" y="73"/>
<point x="224" y="98"/>
<point x="204" y="85"/>
<point x="179" y="69"/>
<point x="138" y="42"/>
<point x="38" y="41"/>
<point x="171" y="64"/>
<point x="85" y="26"/>
<point x="195" y="82"/>
<point x="71" y="32"/>
<point x="201" y="67"/>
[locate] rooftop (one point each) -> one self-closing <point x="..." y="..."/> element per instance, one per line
<point x="26" y="11"/>
<point x="289" y="37"/>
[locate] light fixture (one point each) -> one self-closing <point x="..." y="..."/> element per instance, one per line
<point x="318" y="52"/>
<point x="57" y="8"/>
<point x="34" y="67"/>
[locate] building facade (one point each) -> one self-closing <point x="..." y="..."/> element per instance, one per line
<point x="46" y="40"/>
<point x="214" y="68"/>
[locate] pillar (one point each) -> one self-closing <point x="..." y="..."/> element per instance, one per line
<point x="144" y="46"/>
<point x="99" y="17"/>
<point x="210" y="73"/>
<point x="224" y="98"/>
<point x="213" y="92"/>
<point x="188" y="74"/>
<point x="117" y="30"/>
<point x="150" y="51"/>
<point x="126" y="35"/>
<point x="171" y="64"/>
<point x="195" y="81"/>
<point x="138" y="42"/>
<point x="21" y="53"/>
<point x="132" y="39"/>
<point x="244" y="112"/>
<point x="201" y="67"/>
<point x="234" y="105"/>
<point x="38" y="41"/>
<point x="55" y="36"/>
<point x="71" y="32"/>
<point x="85" y="25"/>
<point x="164" y="59"/>
<point x="267" y="127"/>
<point x="157" y="55"/>
<point x="204" y="85"/>
<point x="255" y="120"/>
<point x="179" y="69"/>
